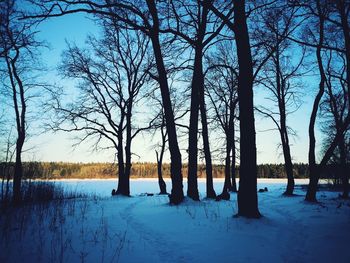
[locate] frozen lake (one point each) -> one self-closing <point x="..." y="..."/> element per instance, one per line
<point x="103" y="187"/>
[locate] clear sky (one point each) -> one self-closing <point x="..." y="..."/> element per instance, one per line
<point x="58" y="146"/>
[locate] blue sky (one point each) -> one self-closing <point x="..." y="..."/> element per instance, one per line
<point x="57" y="147"/>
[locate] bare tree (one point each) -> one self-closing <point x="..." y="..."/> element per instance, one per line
<point x="179" y="108"/>
<point x="221" y="83"/>
<point x="17" y="46"/>
<point x="160" y="155"/>
<point x="111" y="79"/>
<point x="247" y="194"/>
<point x="280" y="77"/>
<point x="142" y="16"/>
<point x="325" y="18"/>
<point x="334" y="109"/>
<point x="340" y="100"/>
<point x="192" y="23"/>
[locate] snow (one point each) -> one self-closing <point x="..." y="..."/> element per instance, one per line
<point x="146" y="229"/>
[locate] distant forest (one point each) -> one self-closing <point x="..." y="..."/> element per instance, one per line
<point x="62" y="170"/>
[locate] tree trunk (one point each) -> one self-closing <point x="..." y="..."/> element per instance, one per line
<point x="205" y="134"/>
<point x="122" y="187"/>
<point x="343" y="166"/>
<point x="227" y="182"/>
<point x="18" y="173"/>
<point x="20" y="112"/>
<point x="208" y="164"/>
<point x="344" y="16"/>
<point x="313" y="169"/>
<point x="161" y="183"/>
<point x="192" y="189"/>
<point x="121" y="171"/>
<point x="247" y="194"/>
<point x="231" y="136"/>
<point x="288" y="165"/>
<point x="233" y="164"/>
<point x="198" y="102"/>
<point x="176" y="195"/>
<point x="342" y="5"/>
<point x="281" y="99"/>
<point x="229" y="140"/>
<point x="128" y="150"/>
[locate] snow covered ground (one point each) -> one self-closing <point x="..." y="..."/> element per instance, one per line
<point x="146" y="229"/>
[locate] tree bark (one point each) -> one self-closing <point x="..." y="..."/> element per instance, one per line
<point x="18" y="173"/>
<point x="121" y="172"/>
<point x="229" y="132"/>
<point x="281" y="91"/>
<point x="20" y="112"/>
<point x="288" y="165"/>
<point x="161" y="183"/>
<point x="313" y="169"/>
<point x="192" y="188"/>
<point x="205" y="135"/>
<point x="198" y="103"/>
<point x="247" y="194"/>
<point x="128" y="149"/>
<point x="176" y="195"/>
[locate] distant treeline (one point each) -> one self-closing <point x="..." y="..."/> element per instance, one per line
<point x="61" y="170"/>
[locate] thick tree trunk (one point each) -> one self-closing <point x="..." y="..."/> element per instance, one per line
<point x="198" y="102"/>
<point x="127" y="169"/>
<point x="312" y="187"/>
<point x="18" y="173"/>
<point x="20" y="112"/>
<point x="128" y="152"/>
<point x="192" y="188"/>
<point x="161" y="182"/>
<point x="122" y="185"/>
<point x="288" y="165"/>
<point x="121" y="190"/>
<point x="313" y="169"/>
<point x="247" y="194"/>
<point x="176" y="195"/>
